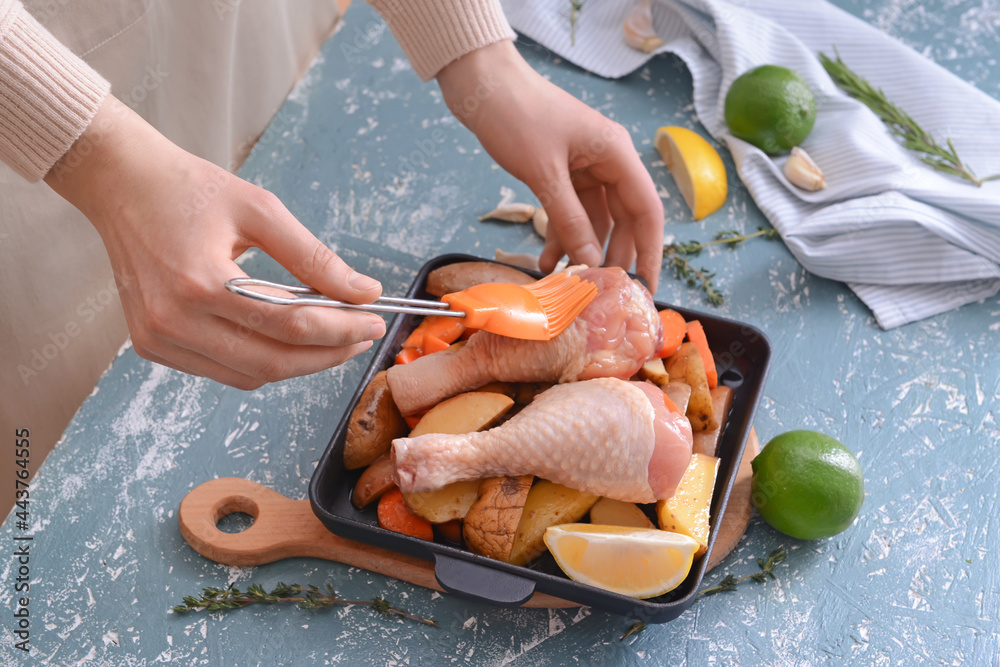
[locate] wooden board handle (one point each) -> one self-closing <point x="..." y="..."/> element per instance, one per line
<point x="285" y="528"/>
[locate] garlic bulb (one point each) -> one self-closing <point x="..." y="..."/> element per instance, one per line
<point x="800" y="170"/>
<point x="638" y="27"/>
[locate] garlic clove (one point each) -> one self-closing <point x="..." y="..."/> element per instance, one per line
<point x="638" y="28"/>
<point x="521" y="260"/>
<point x="540" y="221"/>
<point x="800" y="170"/>
<point x="513" y="212"/>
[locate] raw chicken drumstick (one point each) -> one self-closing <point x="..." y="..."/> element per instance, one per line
<point x="606" y="436"/>
<point x="614" y="336"/>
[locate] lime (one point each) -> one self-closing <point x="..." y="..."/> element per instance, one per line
<point x="807" y="485"/>
<point x="771" y="107"/>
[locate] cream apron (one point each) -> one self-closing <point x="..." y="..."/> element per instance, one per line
<point x="210" y="75"/>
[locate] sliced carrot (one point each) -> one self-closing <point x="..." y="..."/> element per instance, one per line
<point x="674" y="330"/>
<point x="696" y="334"/>
<point x="432" y="344"/>
<point x="394" y="515"/>
<point x="671" y="405"/>
<point x="447" y="329"/>
<point x="450" y="530"/>
<point x="407" y="355"/>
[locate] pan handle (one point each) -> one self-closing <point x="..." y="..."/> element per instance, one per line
<point x="462" y="577"/>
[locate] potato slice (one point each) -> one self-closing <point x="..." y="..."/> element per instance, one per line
<point x="679" y="393"/>
<point x="547" y="504"/>
<point x="654" y="371"/>
<point x="465" y="413"/>
<point x="461" y="275"/>
<point x="491" y="522"/>
<point x="374" y="422"/>
<point x="707" y="442"/>
<point x="376" y="479"/>
<point x="686" y="365"/>
<point x="687" y="512"/>
<point x="611" y="512"/>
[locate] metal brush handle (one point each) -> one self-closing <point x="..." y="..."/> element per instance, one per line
<point x="311" y="297"/>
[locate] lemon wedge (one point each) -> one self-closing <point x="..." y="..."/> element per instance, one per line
<point x="696" y="167"/>
<point x="638" y="562"/>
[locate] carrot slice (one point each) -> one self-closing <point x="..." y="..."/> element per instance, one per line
<point x="432" y="344"/>
<point x="394" y="515"/>
<point x="671" y="405"/>
<point x="696" y="334"/>
<point x="450" y="530"/>
<point x="407" y="355"/>
<point x="447" y="329"/>
<point x="674" y="330"/>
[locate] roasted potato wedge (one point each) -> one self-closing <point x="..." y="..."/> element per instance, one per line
<point x="547" y="504"/>
<point x="374" y="422"/>
<point x="457" y="277"/>
<point x="654" y="371"/>
<point x="610" y="512"/>
<point x="374" y="482"/>
<point x="707" y="442"/>
<point x="491" y="522"/>
<point x="465" y="413"/>
<point x="686" y="365"/>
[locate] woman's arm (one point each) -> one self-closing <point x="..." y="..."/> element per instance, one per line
<point x="582" y="166"/>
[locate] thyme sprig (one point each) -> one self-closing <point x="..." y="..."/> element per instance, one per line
<point x="575" y="7"/>
<point x="677" y="255"/>
<point x="636" y="628"/>
<point x="307" y="597"/>
<point x="900" y="124"/>
<point x="730" y="582"/>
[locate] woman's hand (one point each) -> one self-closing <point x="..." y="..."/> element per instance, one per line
<point x="582" y="166"/>
<point x="172" y="224"/>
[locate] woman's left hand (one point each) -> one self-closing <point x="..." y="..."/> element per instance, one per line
<point x="581" y="165"/>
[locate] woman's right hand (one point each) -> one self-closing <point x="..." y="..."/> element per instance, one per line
<point x="173" y="224"/>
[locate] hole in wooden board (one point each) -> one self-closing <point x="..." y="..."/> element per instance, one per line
<point x="234" y="522"/>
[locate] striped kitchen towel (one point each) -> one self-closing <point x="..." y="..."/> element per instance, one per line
<point x="910" y="241"/>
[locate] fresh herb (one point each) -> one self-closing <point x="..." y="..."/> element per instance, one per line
<point x="730" y="582"/>
<point x="677" y="258"/>
<point x="311" y="597"/>
<point x="900" y="123"/>
<point x="575" y="6"/>
<point x="636" y="628"/>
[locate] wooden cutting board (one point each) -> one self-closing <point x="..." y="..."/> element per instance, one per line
<point x="286" y="528"/>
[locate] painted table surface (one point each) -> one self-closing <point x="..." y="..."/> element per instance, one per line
<point x="373" y="162"/>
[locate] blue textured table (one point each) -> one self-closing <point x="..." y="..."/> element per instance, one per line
<point x="376" y="166"/>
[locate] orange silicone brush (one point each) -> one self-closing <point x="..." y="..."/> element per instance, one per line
<point x="537" y="311"/>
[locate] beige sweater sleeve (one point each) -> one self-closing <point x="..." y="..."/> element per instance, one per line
<point x="435" y="32"/>
<point x="48" y="96"/>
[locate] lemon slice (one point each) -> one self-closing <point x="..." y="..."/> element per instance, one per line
<point x="696" y="167"/>
<point x="638" y="562"/>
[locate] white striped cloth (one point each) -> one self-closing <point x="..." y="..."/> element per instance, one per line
<point x="910" y="241"/>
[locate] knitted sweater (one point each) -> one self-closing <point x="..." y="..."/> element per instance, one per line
<point x="48" y="96"/>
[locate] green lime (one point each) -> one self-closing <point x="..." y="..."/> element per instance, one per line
<point x="771" y="107"/>
<point x="807" y="485"/>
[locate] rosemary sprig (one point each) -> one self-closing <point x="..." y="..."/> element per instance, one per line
<point x="730" y="582"/>
<point x="677" y="258"/>
<point x="575" y="6"/>
<point x="307" y="597"/>
<point x="900" y="124"/>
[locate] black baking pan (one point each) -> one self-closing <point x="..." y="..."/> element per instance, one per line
<point x="742" y="354"/>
